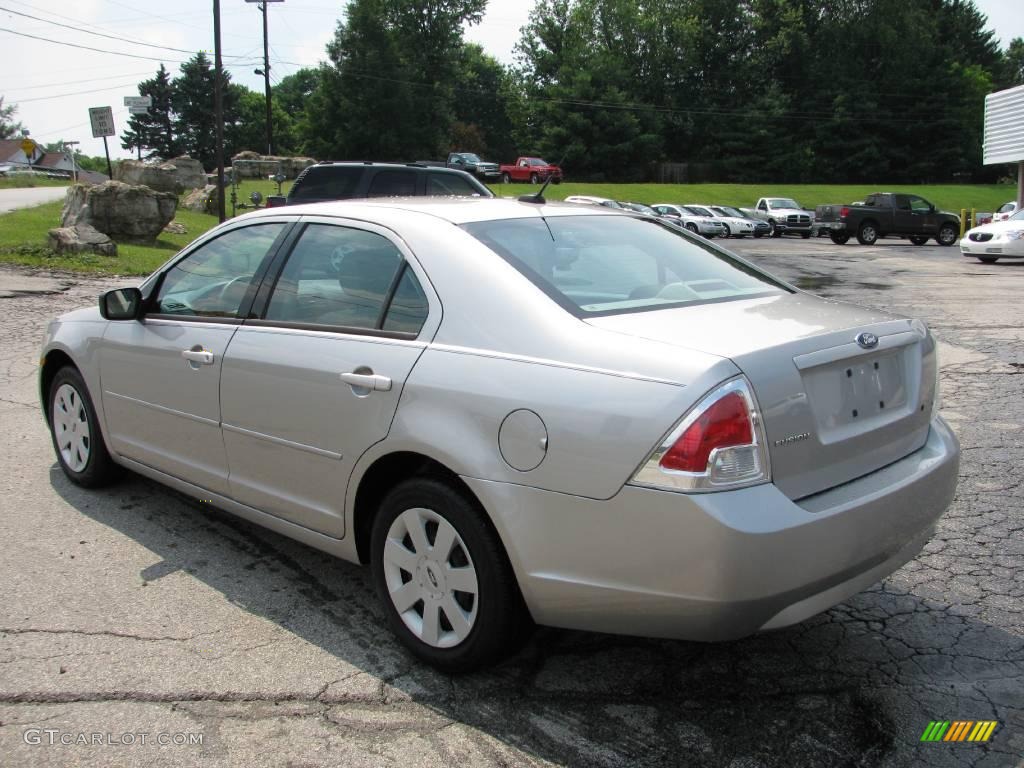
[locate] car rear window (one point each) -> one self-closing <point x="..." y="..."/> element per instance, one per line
<point x="326" y="183"/>
<point x="595" y="265"/>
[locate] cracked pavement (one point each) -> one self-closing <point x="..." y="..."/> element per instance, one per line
<point x="137" y="610"/>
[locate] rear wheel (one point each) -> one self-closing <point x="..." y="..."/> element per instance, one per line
<point x="868" y="233"/>
<point x="839" y="237"/>
<point x="445" y="581"/>
<point x="918" y="239"/>
<point x="75" y="432"/>
<point x="988" y="259"/>
<point x="506" y="178"/>
<point x="947" y="235"/>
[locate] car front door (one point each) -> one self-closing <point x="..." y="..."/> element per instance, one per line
<point x="161" y="374"/>
<point x="925" y="217"/>
<point x="315" y="381"/>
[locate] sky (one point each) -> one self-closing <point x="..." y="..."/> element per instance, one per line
<point x="54" y="85"/>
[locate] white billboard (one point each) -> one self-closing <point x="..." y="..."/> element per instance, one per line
<point x="1004" y="126"/>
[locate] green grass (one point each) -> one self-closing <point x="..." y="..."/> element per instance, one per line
<point x="23" y="238"/>
<point x="951" y="197"/>
<point x="21" y="181"/>
<point x="23" y="232"/>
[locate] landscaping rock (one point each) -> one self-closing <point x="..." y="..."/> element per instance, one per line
<point x="81" y="238"/>
<point x="177" y="175"/>
<point x="176" y="228"/>
<point x="123" y="211"/>
<point x="250" y="165"/>
<point x="201" y="200"/>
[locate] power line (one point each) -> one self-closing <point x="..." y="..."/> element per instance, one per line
<point x="78" y="82"/>
<point x="109" y="37"/>
<point x="77" y="93"/>
<point x="88" y="48"/>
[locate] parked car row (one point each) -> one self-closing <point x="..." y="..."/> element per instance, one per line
<point x="706" y="220"/>
<point x="1003" y="239"/>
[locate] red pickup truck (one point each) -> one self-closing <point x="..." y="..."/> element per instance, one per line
<point x="531" y="169"/>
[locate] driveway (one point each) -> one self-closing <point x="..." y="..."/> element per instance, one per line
<point x="136" y="614"/>
<point x="28" y="196"/>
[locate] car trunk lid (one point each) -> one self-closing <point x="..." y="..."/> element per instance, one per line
<point x="833" y="409"/>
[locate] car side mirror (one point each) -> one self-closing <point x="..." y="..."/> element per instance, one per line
<point x="121" y="304"/>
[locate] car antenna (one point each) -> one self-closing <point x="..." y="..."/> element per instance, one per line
<point x="538" y="198"/>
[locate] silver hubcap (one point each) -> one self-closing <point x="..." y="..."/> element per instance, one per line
<point x="71" y="427"/>
<point x="868" y="233"/>
<point x="947" y="235"/>
<point x="431" y="578"/>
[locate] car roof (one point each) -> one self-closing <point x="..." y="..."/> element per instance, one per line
<point x="454" y="210"/>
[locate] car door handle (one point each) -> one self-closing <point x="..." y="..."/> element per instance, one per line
<point x="367" y="381"/>
<point x="198" y="356"/>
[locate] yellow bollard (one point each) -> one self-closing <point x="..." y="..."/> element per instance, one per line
<point x="974" y="218"/>
<point x="963" y="222"/>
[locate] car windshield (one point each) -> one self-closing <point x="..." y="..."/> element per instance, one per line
<point x="693" y="211"/>
<point x="469" y="157"/>
<point x="701" y="210"/>
<point x="536" y="161"/>
<point x="1018" y="216"/>
<point x="593" y="265"/>
<point x="726" y="211"/>
<point x="783" y="202"/>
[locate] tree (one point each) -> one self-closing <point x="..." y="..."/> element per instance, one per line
<point x="1015" y="62"/>
<point x="8" y="128"/>
<point x="192" y="101"/>
<point x="154" y="132"/>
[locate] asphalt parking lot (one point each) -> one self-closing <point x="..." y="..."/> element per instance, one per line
<point x="137" y="611"/>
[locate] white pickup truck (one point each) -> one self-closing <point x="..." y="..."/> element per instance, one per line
<point x="784" y="215"/>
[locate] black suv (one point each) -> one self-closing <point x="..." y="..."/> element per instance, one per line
<point x="342" y="181"/>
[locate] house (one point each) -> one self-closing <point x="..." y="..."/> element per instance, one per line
<point x="13" y="158"/>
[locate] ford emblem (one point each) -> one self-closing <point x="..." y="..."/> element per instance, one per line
<point x="867" y="340"/>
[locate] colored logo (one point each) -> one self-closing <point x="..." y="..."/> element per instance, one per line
<point x="867" y="340"/>
<point x="959" y="730"/>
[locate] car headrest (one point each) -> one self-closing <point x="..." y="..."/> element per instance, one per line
<point x="368" y="273"/>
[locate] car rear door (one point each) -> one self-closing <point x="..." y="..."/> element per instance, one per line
<point x="315" y="381"/>
<point x="161" y="374"/>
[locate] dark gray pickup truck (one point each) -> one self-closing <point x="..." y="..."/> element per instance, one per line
<point x="887" y="213"/>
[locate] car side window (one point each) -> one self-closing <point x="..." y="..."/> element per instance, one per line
<point x="213" y="280"/>
<point x="408" y="309"/>
<point x="393" y="184"/>
<point x="762" y="206"/>
<point x="450" y="184"/>
<point x="920" y="205"/>
<point x="336" y="276"/>
<point x="902" y="202"/>
<point x="327" y="183"/>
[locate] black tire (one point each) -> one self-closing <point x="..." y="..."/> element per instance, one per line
<point x="534" y="178"/>
<point x="805" y="235"/>
<point x="759" y="235"/>
<point x="947" y="235"/>
<point x="727" y="232"/>
<point x="692" y="227"/>
<point x="867" y="233"/>
<point x="506" y="178"/>
<point x="839" y="237"/>
<point x="918" y="239"/>
<point x="988" y="259"/>
<point x="501" y="620"/>
<point x="774" y="230"/>
<point x="98" y="468"/>
<point x="556" y="180"/>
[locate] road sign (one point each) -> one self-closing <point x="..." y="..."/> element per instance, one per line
<point x="138" y="110"/>
<point x="28" y="147"/>
<point x="102" y="119"/>
<point x="138" y="101"/>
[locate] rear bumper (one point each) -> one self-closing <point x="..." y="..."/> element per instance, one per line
<point x="717" y="566"/>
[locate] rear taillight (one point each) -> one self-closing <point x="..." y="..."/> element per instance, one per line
<point x="718" y="445"/>
<point x="275" y="201"/>
<point x="844" y="212"/>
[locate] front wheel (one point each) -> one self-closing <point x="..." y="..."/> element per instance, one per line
<point x="506" y="178"/>
<point x="443" y="576"/>
<point x="727" y="232"/>
<point x="692" y="227"/>
<point x="839" y="237"/>
<point x="947" y="235"/>
<point x="805" y="235"/>
<point x="759" y="235"/>
<point x="775" y="230"/>
<point x="867" y="234"/>
<point x="75" y="432"/>
<point x="918" y="239"/>
<point x="534" y="178"/>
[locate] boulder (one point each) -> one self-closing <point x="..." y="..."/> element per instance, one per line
<point x="177" y="175"/>
<point x="249" y="165"/>
<point x="123" y="211"/>
<point x="81" y="238"/>
<point x="176" y="228"/>
<point x="201" y="200"/>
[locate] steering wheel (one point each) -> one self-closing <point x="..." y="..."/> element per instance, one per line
<point x="338" y="255"/>
<point x="225" y="292"/>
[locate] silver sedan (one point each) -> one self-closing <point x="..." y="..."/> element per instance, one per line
<point x="517" y="412"/>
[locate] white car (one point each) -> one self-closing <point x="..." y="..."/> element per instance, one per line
<point x="734" y="226"/>
<point x="1005" y="211"/>
<point x="702" y="225"/>
<point x="998" y="240"/>
<point x="592" y="200"/>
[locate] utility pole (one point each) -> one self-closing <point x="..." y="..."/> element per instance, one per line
<point x="266" y="71"/>
<point x="218" y="109"/>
